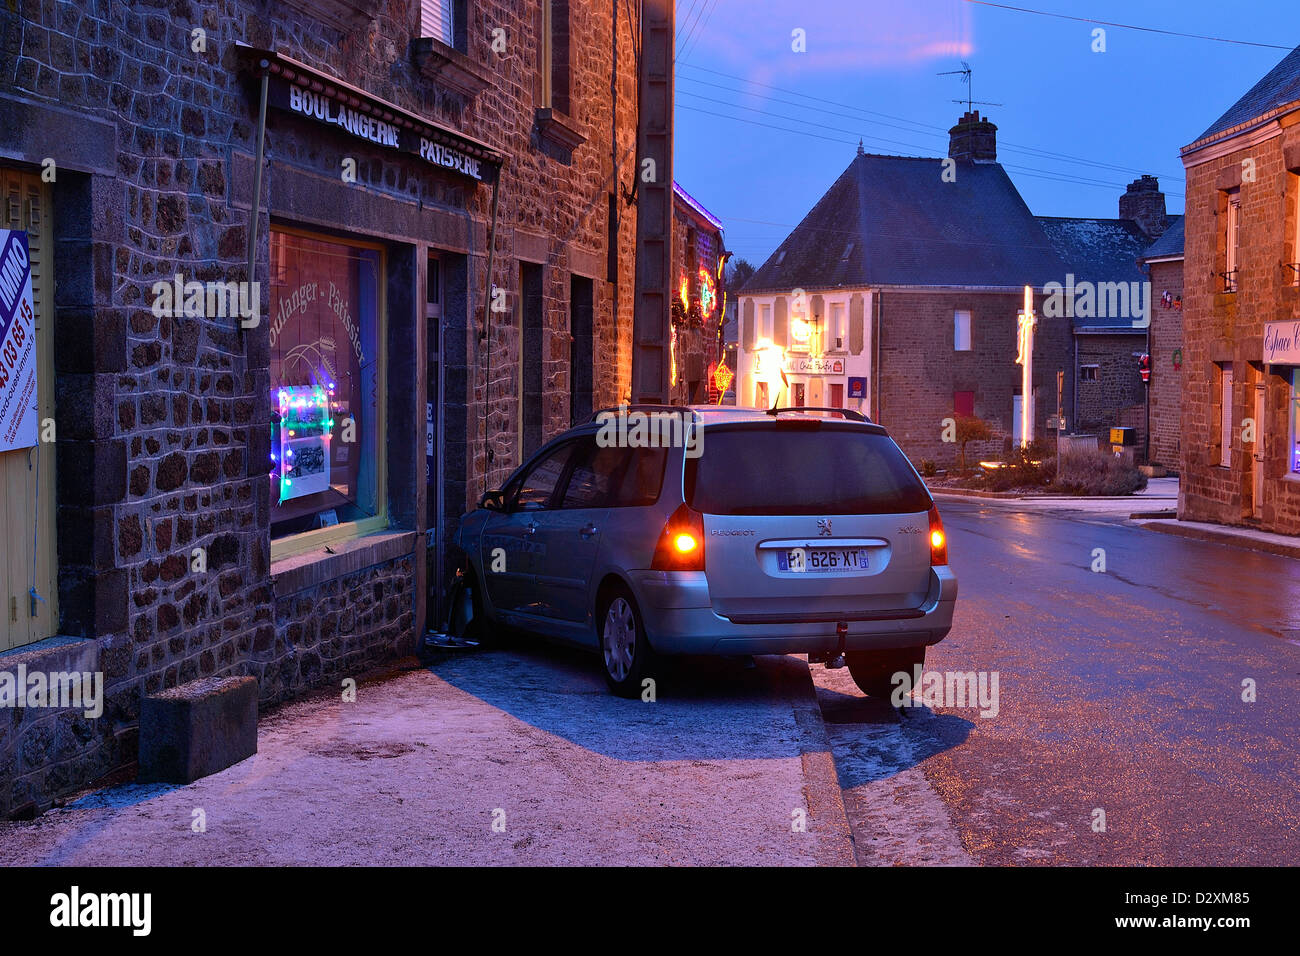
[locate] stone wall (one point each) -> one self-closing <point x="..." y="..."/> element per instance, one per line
<point x="1226" y="329"/>
<point x="1167" y="363"/>
<point x="163" y="424"/>
<point x="920" y="371"/>
<point x="1116" y="397"/>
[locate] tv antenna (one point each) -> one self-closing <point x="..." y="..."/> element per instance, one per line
<point x="965" y="73"/>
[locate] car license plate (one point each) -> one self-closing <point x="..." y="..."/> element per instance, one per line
<point x="820" y="560"/>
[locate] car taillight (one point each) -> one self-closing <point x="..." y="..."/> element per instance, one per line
<point x="938" y="540"/>
<point x="681" y="546"/>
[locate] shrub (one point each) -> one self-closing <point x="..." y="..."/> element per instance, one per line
<point x="969" y="428"/>
<point x="1097" y="472"/>
<point x="1023" y="468"/>
<point x="928" y="468"/>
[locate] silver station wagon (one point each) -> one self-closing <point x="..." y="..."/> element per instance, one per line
<point x="733" y="532"/>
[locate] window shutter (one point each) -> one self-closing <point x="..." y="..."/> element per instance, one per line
<point x="437" y="20"/>
<point x="780" y="323"/>
<point x="747" y="326"/>
<point x="857" y="310"/>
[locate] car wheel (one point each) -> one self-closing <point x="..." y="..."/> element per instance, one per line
<point x="479" y="628"/>
<point x="873" y="671"/>
<point x="624" y="650"/>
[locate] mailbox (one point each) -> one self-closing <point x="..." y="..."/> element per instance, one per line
<point x="1123" y="436"/>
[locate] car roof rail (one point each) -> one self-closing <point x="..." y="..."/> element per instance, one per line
<point x="645" y="407"/>
<point x="848" y="413"/>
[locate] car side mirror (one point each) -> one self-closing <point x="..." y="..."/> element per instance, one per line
<point x="492" y="501"/>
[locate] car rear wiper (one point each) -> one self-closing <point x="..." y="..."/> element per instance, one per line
<point x="848" y="413"/>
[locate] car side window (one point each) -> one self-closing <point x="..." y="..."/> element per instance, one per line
<point x="592" y="477"/>
<point x="538" y="485"/>
<point x="638" y="483"/>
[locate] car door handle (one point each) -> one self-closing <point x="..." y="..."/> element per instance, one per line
<point x="588" y="531"/>
<point x="531" y="527"/>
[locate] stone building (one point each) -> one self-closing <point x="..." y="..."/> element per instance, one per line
<point x="1241" y="311"/>
<point x="1108" y="299"/>
<point x="697" y="313"/>
<point x="1164" y="263"/>
<point x="898" y="295"/>
<point x="261" y="479"/>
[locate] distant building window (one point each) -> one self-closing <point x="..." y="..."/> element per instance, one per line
<point x="1225" y="415"/>
<point x="848" y="251"/>
<point x="963" y="403"/>
<point x="765" y="329"/>
<point x="838" y="330"/>
<point x="961" y="331"/>
<point x="1232" y="241"/>
<point x="1088" y="373"/>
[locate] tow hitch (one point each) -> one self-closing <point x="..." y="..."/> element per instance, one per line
<point x="833" y="660"/>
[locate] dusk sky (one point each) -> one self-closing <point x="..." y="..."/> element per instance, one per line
<point x="1075" y="126"/>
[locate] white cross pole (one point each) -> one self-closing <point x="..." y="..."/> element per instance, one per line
<point x="1025" y="358"/>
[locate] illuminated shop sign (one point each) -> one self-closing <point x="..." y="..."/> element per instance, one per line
<point x="326" y="108"/>
<point x="1282" y="343"/>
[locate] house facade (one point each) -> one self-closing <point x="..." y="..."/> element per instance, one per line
<point x="898" y="296"/>
<point x="700" y="259"/>
<point x="1241" y="308"/>
<point x="268" y="366"/>
<point x="1163" y="261"/>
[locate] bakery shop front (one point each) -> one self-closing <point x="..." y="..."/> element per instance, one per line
<point x="364" y="218"/>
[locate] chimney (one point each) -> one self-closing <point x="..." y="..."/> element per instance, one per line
<point x="973" y="139"/>
<point x="1144" y="203"/>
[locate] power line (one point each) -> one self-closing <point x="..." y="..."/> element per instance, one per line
<point x="684" y="29"/>
<point x="1044" y="154"/>
<point x="1029" y="170"/>
<point x="1005" y="144"/>
<point x="690" y="41"/>
<point x="1129" y="26"/>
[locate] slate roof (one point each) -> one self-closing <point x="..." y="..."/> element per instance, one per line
<point x="892" y="220"/>
<point x="1097" y="250"/>
<point x="1280" y="86"/>
<point x="1170" y="242"/>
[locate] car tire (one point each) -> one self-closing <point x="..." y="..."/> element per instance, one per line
<point x="480" y="627"/>
<point x="873" y="671"/>
<point x="625" y="653"/>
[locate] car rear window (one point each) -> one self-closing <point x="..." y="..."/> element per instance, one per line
<point x="790" y="468"/>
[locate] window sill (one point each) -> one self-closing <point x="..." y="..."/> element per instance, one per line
<point x="559" y="129"/>
<point x="449" y="67"/>
<point x="302" y="571"/>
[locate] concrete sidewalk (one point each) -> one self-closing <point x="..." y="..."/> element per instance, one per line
<point x="419" y="768"/>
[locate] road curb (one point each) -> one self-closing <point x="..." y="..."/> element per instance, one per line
<point x="1236" y="540"/>
<point x="822" y="790"/>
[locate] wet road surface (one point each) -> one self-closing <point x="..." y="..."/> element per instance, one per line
<point x="1121" y="693"/>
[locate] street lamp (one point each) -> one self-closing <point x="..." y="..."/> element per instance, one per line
<point x="1025" y="358"/>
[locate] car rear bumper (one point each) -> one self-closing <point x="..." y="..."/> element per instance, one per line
<point x="679" y="619"/>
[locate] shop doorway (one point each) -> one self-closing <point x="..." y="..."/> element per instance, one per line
<point x="28" y="562"/>
<point x="1257" y="455"/>
<point x="530" y="359"/>
<point x="797" y="395"/>
<point x="582" y="358"/>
